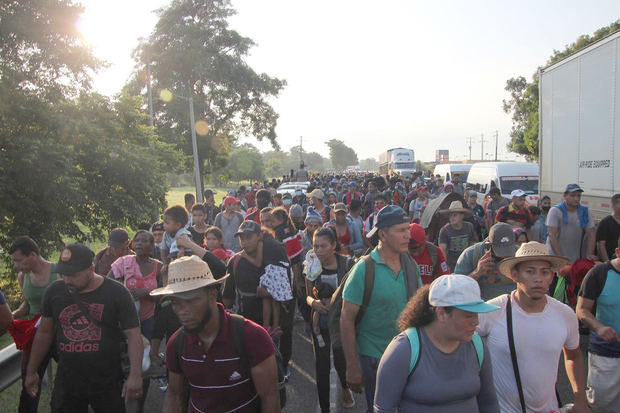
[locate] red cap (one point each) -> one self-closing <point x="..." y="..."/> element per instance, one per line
<point x="231" y="200"/>
<point x="417" y="235"/>
<point x="421" y="188"/>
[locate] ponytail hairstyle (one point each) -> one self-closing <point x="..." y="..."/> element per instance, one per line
<point x="330" y="234"/>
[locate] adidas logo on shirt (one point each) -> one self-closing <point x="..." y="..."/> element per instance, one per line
<point x="234" y="376"/>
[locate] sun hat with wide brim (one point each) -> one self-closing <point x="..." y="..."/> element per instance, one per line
<point x="456" y="206"/>
<point x="532" y="251"/>
<point x="187" y="274"/>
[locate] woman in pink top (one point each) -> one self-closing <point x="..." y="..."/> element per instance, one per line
<point x="139" y="273"/>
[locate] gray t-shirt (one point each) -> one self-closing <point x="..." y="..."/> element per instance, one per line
<point x="229" y="227"/>
<point x="493" y="206"/>
<point x="440" y="383"/>
<point x="456" y="240"/>
<point x="569" y="235"/>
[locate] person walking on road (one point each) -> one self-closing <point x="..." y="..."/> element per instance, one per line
<point x="598" y="307"/>
<point x="570" y="227"/>
<point x="83" y="316"/>
<point x="34" y="276"/>
<point x="526" y="336"/>
<point x="457" y="234"/>
<point x="203" y="350"/>
<point x="396" y="278"/>
<point x="451" y="371"/>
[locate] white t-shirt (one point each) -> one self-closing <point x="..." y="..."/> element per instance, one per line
<point x="538" y="338"/>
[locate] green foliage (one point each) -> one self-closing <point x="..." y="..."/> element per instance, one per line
<point x="246" y="162"/>
<point x="369" y="164"/>
<point x="523" y="102"/>
<point x="70" y="164"/>
<point x="340" y="154"/>
<point x="192" y="51"/>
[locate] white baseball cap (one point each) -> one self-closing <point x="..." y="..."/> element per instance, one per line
<point x="460" y="291"/>
<point x="517" y="193"/>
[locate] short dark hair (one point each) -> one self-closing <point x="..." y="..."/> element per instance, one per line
<point x="495" y="191"/>
<point x="215" y="231"/>
<point x="330" y="234"/>
<point x="145" y="226"/>
<point x="189" y="197"/>
<point x="178" y="213"/>
<point x="383" y="197"/>
<point x="151" y="238"/>
<point x="25" y="245"/>
<point x="199" y="207"/>
<point x="355" y="205"/>
<point x="615" y="199"/>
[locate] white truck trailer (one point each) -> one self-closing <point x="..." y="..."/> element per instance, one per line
<point x="397" y="161"/>
<point x="580" y="125"/>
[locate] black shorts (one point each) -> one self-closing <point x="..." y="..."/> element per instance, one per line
<point x="108" y="400"/>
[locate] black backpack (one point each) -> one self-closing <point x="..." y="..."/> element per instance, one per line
<point x="236" y="329"/>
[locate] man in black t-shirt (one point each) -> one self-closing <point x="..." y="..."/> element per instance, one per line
<point x="84" y="315"/>
<point x="608" y="231"/>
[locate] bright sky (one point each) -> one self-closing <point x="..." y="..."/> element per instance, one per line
<point x="419" y="74"/>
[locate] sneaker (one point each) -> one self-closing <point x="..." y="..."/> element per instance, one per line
<point x="347" y="398"/>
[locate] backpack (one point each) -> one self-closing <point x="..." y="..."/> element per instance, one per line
<point x="236" y="330"/>
<point x="335" y="309"/>
<point x="413" y="334"/>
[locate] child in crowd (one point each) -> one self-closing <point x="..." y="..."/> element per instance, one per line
<point x="215" y="243"/>
<point x="322" y="291"/>
<point x="199" y="227"/>
<point x="175" y="219"/>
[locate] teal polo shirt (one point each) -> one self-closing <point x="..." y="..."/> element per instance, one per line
<point x="387" y="301"/>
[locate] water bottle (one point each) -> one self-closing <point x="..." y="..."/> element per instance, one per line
<point x="319" y="339"/>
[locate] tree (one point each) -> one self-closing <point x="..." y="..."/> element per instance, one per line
<point x="369" y="164"/>
<point x="523" y="102"/>
<point x="246" y="162"/>
<point x="71" y="162"/>
<point x="340" y="154"/>
<point x="193" y="52"/>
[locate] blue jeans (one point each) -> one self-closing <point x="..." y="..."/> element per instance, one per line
<point x="369" y="366"/>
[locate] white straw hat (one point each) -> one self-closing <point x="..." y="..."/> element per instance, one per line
<point x="187" y="274"/>
<point x="532" y="251"/>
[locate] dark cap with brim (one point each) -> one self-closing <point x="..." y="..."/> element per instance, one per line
<point x="248" y="227"/>
<point x="74" y="258"/>
<point x="502" y="239"/>
<point x="388" y="216"/>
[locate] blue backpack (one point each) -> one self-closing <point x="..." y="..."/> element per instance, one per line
<point x="413" y="334"/>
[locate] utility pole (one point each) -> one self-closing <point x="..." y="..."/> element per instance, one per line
<point x="496" y="136"/>
<point x="482" y="147"/>
<point x="195" y="148"/>
<point x="470" y="139"/>
<point x="301" y="150"/>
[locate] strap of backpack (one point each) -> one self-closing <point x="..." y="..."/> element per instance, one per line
<point x="477" y="342"/>
<point x="369" y="283"/>
<point x="236" y="330"/>
<point x="413" y="334"/>
<point x="513" y="353"/>
<point x="432" y="251"/>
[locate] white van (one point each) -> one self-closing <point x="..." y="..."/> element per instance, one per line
<point x="448" y="170"/>
<point x="507" y="176"/>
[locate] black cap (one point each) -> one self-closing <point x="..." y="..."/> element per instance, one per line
<point x="118" y="238"/>
<point x="74" y="258"/>
<point x="248" y="227"/>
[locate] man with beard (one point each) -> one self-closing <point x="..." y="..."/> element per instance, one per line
<point x="83" y="315"/>
<point x="219" y="378"/>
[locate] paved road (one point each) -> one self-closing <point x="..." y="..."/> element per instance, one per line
<point x="301" y="389"/>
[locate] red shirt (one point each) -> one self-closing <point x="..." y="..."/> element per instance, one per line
<point x="218" y="382"/>
<point x="425" y="263"/>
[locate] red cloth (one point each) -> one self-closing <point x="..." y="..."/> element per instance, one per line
<point x="293" y="245"/>
<point x="221" y="253"/>
<point x="23" y="332"/>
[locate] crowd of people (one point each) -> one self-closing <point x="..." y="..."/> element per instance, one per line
<point x="473" y="318"/>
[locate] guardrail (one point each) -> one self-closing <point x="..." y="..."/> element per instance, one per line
<point x="10" y="366"/>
